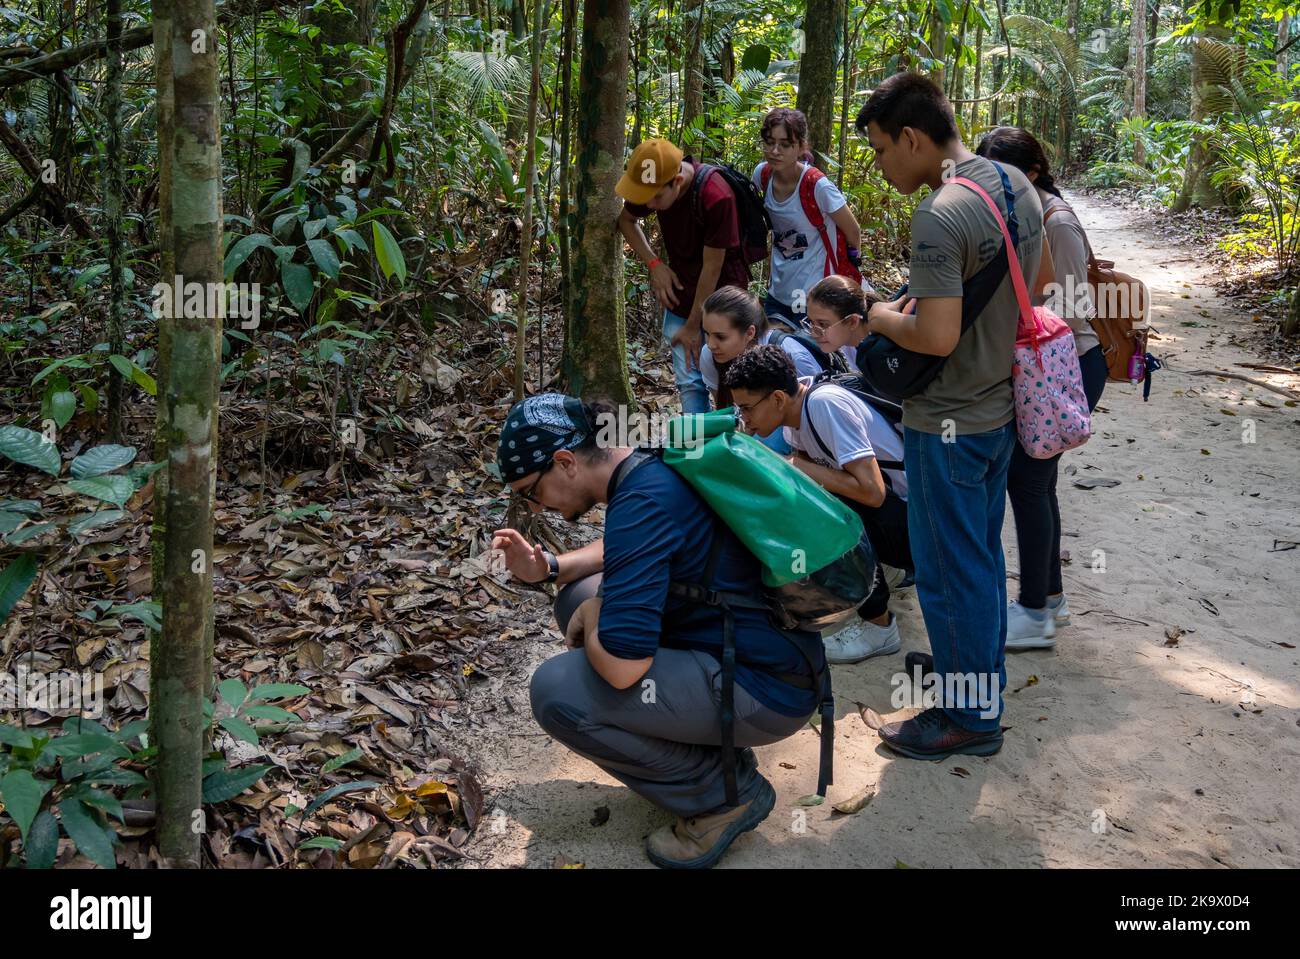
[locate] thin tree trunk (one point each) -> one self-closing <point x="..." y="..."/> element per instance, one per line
<point x="1194" y="188"/>
<point x="113" y="188"/>
<point x="595" y="361"/>
<point x="692" y="74"/>
<point x="1283" y="35"/>
<point x="817" y="73"/>
<point x="1139" y="28"/>
<point x="185" y="665"/>
<point x="978" y="92"/>
<point x="569" y="25"/>
<point x="541" y="15"/>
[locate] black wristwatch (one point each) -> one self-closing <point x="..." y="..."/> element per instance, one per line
<point x="553" y="562"/>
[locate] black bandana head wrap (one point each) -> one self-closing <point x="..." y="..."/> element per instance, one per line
<point x="536" y="428"/>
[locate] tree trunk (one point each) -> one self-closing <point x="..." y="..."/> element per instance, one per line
<point x="568" y="27"/>
<point x="595" y="361"/>
<point x="977" y="92"/>
<point x="1283" y="35"/>
<point x="937" y="38"/>
<point x="113" y="189"/>
<point x="817" y="73"/>
<point x="541" y="15"/>
<point x="1291" y="325"/>
<point x="185" y="665"/>
<point x="692" y="74"/>
<point x="1139" y="25"/>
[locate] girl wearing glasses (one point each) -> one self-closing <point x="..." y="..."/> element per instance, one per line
<point x="734" y="322"/>
<point x="814" y="234"/>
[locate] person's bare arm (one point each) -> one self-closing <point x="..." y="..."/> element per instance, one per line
<point x="619" y="673"/>
<point x="663" y="280"/>
<point x="847" y="224"/>
<point x="860" y="480"/>
<point x="526" y="562"/>
<point x="713" y="260"/>
<point x="934" y="329"/>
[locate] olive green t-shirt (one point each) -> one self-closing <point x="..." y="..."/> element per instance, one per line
<point x="954" y="234"/>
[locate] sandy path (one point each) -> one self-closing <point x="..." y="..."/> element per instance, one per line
<point x="1125" y="752"/>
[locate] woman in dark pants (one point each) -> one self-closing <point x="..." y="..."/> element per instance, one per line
<point x="1031" y="483"/>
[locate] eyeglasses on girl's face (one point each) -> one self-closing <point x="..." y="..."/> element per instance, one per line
<point x="818" y="329"/>
<point x="776" y="146"/>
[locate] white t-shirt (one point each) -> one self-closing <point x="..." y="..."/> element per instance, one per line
<point x="798" y="254"/>
<point x="851" y="430"/>
<point x="805" y="364"/>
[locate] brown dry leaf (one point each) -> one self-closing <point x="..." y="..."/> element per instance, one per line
<point x="870" y="717"/>
<point x="1173" y="634"/>
<point x="960" y="771"/>
<point x="859" y="802"/>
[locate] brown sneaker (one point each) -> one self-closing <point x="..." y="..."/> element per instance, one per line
<point x="700" y="841"/>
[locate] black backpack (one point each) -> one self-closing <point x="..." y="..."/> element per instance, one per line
<point x="829" y="362"/>
<point x="857" y="384"/>
<point x="751" y="214"/>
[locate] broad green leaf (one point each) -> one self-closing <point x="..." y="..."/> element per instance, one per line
<point x="148" y="613"/>
<point x="322" y="252"/>
<point x="122" y="365"/>
<point x="233" y="692"/>
<point x="338" y="762"/>
<point x="10" y="521"/>
<point x="89" y="398"/>
<point x="277" y="713"/>
<point x="242" y="249"/>
<point x="101" y="459"/>
<point x="42" y="844"/>
<point x="277" y="691"/>
<point x="28" y="507"/>
<point x="391" y="260"/>
<point x="87" y="744"/>
<point x="31" y="532"/>
<point x="333" y="791"/>
<point x="353" y="239"/>
<point x="143" y="380"/>
<point x="322" y="842"/>
<point x="13" y="736"/>
<point x="311" y="229"/>
<point x="239" y="729"/>
<point x="88" y="274"/>
<point x="229" y="783"/>
<point x="111" y="489"/>
<point x="91" y="838"/>
<point x="72" y="362"/>
<point x="14" y="581"/>
<point x="101" y="800"/>
<point x="116" y="776"/>
<point x="22" y="793"/>
<point x="756" y="57"/>
<point x="91" y="520"/>
<point x="62" y="405"/>
<point x="298" y="284"/>
<point x="29" y="448"/>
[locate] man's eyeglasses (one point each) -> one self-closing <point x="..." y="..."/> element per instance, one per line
<point x="527" y="494"/>
<point x="746" y="409"/>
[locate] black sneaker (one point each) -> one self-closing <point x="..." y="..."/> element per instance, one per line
<point x="932" y="735"/>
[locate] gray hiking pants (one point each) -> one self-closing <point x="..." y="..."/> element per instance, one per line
<point x="659" y="737"/>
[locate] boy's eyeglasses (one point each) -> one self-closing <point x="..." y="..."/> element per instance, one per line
<point x="527" y="494"/>
<point x="747" y="409"/>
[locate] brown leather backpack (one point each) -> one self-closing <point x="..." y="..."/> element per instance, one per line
<point x="1121" y="302"/>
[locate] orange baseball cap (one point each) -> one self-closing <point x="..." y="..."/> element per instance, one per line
<point x="649" y="168"/>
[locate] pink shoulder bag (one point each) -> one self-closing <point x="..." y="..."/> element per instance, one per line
<point x="1051" y="407"/>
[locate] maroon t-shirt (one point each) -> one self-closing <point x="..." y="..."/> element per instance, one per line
<point x="685" y="237"/>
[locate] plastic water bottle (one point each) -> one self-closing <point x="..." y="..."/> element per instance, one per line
<point x="1136" y="367"/>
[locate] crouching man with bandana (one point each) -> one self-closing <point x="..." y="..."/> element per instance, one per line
<point x="639" y="692"/>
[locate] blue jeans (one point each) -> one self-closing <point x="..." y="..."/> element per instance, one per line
<point x="957" y="493"/>
<point x="690" y="384"/>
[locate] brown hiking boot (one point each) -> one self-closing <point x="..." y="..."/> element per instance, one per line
<point x="700" y="841"/>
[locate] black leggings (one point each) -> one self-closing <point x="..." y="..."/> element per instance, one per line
<point x="886" y="527"/>
<point x="1031" y="484"/>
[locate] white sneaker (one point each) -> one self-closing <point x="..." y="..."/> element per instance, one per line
<point x="1029" y="628"/>
<point x="862" y="640"/>
<point x="1061" y="610"/>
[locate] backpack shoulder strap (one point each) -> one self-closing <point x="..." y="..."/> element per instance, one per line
<point x="808" y="200"/>
<point x="812" y="427"/>
<point x="638" y="457"/>
<point x="702" y="171"/>
<point x="764" y="176"/>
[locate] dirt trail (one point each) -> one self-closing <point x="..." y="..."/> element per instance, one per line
<point x="1125" y="751"/>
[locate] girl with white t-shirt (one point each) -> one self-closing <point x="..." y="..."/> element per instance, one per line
<point x="800" y="255"/>
<point x="733" y="322"/>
